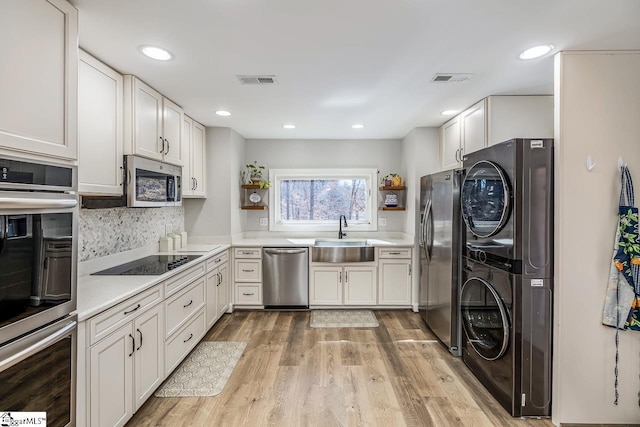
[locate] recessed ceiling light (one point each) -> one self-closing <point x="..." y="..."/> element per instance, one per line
<point x="449" y="112"/>
<point x="358" y="126"/>
<point x="157" y="53"/>
<point x="223" y="113"/>
<point x="536" y="51"/>
<point x="289" y="126"/>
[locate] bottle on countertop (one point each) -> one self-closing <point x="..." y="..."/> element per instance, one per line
<point x="183" y="236"/>
<point x="166" y="244"/>
<point x="177" y="240"/>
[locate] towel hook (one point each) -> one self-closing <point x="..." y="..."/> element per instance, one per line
<point x="590" y="163"/>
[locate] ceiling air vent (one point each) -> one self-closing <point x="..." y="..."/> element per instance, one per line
<point x="257" y="80"/>
<point x="451" y="78"/>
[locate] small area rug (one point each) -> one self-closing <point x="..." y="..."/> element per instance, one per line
<point x="205" y="371"/>
<point x="343" y="319"/>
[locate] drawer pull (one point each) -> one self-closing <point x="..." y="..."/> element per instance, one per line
<point x="190" y="336"/>
<point x="218" y="260"/>
<point x="248" y="295"/>
<point x="131" y="311"/>
<point x="247" y="252"/>
<point x="188" y="304"/>
<point x="395" y="253"/>
<point x="247" y="271"/>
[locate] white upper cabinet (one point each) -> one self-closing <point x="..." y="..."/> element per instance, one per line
<point x="152" y="123"/>
<point x="194" y="155"/>
<point x="493" y="120"/>
<point x="39" y="77"/>
<point x="100" y="134"/>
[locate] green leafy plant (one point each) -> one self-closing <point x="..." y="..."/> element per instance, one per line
<point x="254" y="172"/>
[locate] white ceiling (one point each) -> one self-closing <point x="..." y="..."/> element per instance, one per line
<point x="340" y="62"/>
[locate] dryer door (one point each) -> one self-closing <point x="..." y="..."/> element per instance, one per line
<point x="485" y="199"/>
<point x="484" y="318"/>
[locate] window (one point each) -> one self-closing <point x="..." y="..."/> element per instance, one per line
<point x="314" y="199"/>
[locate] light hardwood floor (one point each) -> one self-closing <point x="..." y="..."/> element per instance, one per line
<point x="292" y="375"/>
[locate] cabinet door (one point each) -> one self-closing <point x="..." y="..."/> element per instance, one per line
<point x="474" y="128"/>
<point x="325" y="286"/>
<point x="223" y="290"/>
<point x="395" y="282"/>
<point x="147" y="121"/>
<point x="100" y="136"/>
<point x="198" y="160"/>
<point x="188" y="183"/>
<point x="149" y="354"/>
<point x="39" y="77"/>
<point x="213" y="279"/>
<point x="450" y="140"/>
<point x="360" y="285"/>
<point x="172" y="119"/>
<point x="111" y="370"/>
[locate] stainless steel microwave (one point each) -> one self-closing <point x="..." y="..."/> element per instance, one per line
<point x="152" y="184"/>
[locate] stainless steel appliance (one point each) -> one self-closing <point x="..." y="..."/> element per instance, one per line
<point x="285" y="277"/>
<point x="440" y="241"/>
<point x="152" y="184"/>
<point x="507" y="291"/>
<point x="38" y="253"/>
<point x="153" y="265"/>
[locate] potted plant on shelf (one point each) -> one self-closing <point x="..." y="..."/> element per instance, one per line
<point x="253" y="174"/>
<point x="392" y="179"/>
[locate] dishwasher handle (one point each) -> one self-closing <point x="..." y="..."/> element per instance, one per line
<point x="284" y="251"/>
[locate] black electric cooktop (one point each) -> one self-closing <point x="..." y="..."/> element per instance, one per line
<point x="153" y="265"/>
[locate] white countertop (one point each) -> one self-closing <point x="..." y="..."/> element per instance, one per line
<point x="284" y="239"/>
<point x="98" y="293"/>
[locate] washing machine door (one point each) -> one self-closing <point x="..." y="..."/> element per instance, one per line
<point x="485" y="199"/>
<point x="484" y="319"/>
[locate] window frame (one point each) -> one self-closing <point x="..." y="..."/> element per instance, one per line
<point x="277" y="175"/>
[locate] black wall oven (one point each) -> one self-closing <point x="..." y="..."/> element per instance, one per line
<point x="38" y="253"/>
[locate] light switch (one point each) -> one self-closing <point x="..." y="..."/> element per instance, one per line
<point x="382" y="221"/>
<point x="264" y="222"/>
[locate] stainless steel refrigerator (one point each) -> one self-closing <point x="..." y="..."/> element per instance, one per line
<point x="440" y="238"/>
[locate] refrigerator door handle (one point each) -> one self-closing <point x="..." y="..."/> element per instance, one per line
<point x="425" y="231"/>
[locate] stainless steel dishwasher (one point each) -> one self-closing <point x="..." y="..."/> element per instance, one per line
<point x="285" y="277"/>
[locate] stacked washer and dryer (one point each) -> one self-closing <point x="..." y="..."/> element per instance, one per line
<point x="506" y="299"/>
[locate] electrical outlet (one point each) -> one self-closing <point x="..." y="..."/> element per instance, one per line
<point x="382" y="221"/>
<point x="264" y="222"/>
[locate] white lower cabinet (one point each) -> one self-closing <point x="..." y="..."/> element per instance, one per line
<point x="125" y="368"/>
<point x="217" y="293"/>
<point x="395" y="282"/>
<point x="342" y="285"/>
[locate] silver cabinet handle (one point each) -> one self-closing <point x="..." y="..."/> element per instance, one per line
<point x="284" y="251"/>
<point x="133" y="345"/>
<point x="248" y="295"/>
<point x="188" y="304"/>
<point x="140" y="346"/>
<point x="196" y="183"/>
<point x="190" y="336"/>
<point x="131" y="311"/>
<point x="20" y="203"/>
<point x="248" y="252"/>
<point x="247" y="271"/>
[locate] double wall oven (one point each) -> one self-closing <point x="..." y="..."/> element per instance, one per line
<point x="38" y="249"/>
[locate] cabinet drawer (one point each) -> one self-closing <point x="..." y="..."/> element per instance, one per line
<point x="184" y="340"/>
<point x="248" y="270"/>
<point x="394" y="253"/>
<point x="108" y="321"/>
<point x="247" y="252"/>
<point x="182" y="305"/>
<point x="217" y="260"/>
<point x="248" y="294"/>
<point x="175" y="283"/>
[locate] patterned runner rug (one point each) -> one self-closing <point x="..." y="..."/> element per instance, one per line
<point x="343" y="319"/>
<point x="205" y="372"/>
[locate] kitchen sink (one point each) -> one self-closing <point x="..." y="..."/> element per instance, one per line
<point x="325" y="250"/>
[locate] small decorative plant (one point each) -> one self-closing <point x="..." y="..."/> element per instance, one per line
<point x="253" y="174"/>
<point x="391" y="179"/>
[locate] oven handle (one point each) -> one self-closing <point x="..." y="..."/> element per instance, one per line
<point x="33" y="203"/>
<point x="37" y="346"/>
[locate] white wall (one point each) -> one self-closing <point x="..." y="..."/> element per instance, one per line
<point x="383" y="154"/>
<point x="420" y="156"/>
<point x="597" y="97"/>
<point x="219" y="215"/>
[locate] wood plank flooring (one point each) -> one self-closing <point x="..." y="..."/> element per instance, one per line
<point x="292" y="375"/>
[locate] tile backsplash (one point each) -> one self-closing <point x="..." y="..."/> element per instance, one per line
<point x="108" y="231"/>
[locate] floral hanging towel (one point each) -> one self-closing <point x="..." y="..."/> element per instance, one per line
<point x="622" y="302"/>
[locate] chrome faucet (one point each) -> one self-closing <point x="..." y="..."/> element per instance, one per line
<point x="340" y="233"/>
